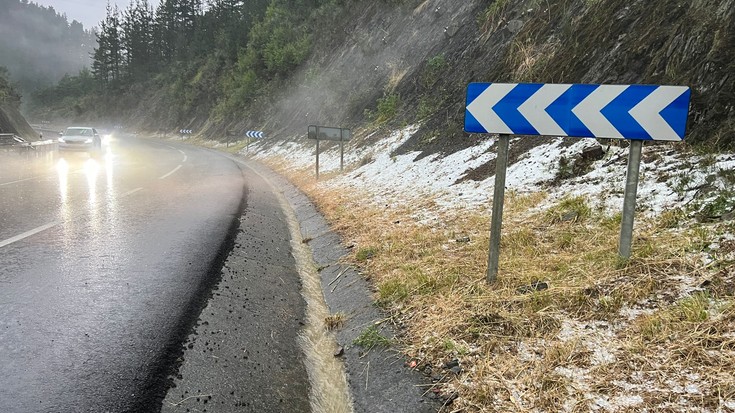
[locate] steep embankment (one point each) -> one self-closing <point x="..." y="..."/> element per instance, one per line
<point x="383" y="63"/>
<point x="11" y="121"/>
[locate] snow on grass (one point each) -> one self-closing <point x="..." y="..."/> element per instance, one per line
<point x="668" y="179"/>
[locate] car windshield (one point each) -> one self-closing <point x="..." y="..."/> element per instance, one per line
<point x="78" y="131"/>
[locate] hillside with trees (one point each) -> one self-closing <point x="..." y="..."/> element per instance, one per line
<point x="226" y="64"/>
<point x="39" y="46"/>
<point x="8" y="94"/>
<point x="11" y="120"/>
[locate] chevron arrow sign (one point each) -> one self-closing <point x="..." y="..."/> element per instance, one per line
<point x="255" y="134"/>
<point x="639" y="112"/>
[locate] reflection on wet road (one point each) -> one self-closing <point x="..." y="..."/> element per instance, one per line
<point x="102" y="261"/>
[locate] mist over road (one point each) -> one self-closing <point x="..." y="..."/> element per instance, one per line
<point x="104" y="264"/>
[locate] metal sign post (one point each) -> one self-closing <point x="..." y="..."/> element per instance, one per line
<point x="317" y="159"/>
<point x="631" y="191"/>
<point x="501" y="166"/>
<point x="342" y="152"/>
<point x="331" y="134"/>
<point x="345" y="135"/>
<point x="635" y="112"/>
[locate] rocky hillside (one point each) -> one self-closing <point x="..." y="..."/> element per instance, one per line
<point x="395" y="64"/>
<point x="368" y="64"/>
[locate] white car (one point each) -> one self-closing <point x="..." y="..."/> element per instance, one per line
<point x="78" y="138"/>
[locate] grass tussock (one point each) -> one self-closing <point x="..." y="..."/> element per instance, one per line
<point x="568" y="326"/>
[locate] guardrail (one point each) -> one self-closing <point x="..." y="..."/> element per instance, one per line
<point x="11" y="143"/>
<point x="10" y="139"/>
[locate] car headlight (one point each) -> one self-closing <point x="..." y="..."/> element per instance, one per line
<point x="88" y="141"/>
<point x="61" y="140"/>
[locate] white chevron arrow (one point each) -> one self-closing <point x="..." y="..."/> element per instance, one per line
<point x="482" y="107"/>
<point x="534" y="109"/>
<point x="589" y="111"/>
<point x="648" y="112"/>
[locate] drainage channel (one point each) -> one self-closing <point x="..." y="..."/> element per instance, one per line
<point x="329" y="389"/>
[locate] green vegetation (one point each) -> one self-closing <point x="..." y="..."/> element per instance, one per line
<point x="69" y="94"/>
<point x="387" y="108"/>
<point x="492" y="13"/>
<point x="434" y="69"/>
<point x="723" y="203"/>
<point x="7" y="91"/>
<point x="370" y="338"/>
<point x="364" y="254"/>
<point x="212" y="61"/>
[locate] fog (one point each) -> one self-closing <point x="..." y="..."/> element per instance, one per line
<point x="89" y="12"/>
<point x="39" y="47"/>
<point x="369" y="61"/>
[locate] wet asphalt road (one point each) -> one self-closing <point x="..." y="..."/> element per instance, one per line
<point x="104" y="265"/>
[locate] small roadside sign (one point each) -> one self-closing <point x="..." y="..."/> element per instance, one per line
<point x="329" y="133"/>
<point x="256" y="134"/>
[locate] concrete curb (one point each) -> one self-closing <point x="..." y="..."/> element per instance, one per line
<point x="378" y="380"/>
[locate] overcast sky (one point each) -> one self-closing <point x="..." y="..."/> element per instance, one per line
<point x="89" y="12"/>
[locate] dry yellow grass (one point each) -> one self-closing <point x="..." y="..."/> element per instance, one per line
<point x="656" y="332"/>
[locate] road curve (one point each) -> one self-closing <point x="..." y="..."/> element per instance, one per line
<point x="103" y="266"/>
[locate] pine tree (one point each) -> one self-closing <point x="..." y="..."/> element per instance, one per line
<point x="108" y="56"/>
<point x="137" y="39"/>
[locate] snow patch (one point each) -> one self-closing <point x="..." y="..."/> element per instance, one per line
<point x="669" y="179"/>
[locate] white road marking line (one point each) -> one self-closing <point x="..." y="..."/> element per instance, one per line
<point x="131" y="192"/>
<point x="28" y="234"/>
<point x="36" y="177"/>
<point x="21" y="180"/>
<point x="171" y="173"/>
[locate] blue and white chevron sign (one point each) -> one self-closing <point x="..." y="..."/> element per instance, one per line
<point x="640" y="112"/>
<point x="255" y="134"/>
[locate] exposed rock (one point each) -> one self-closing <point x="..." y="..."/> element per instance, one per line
<point x="594" y="153"/>
<point x="534" y="286"/>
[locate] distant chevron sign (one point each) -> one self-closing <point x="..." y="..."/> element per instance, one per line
<point x="640" y="112"/>
<point x="255" y="134"/>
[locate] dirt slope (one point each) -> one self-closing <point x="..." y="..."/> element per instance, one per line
<point x="423" y="54"/>
<point x="11" y="121"/>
